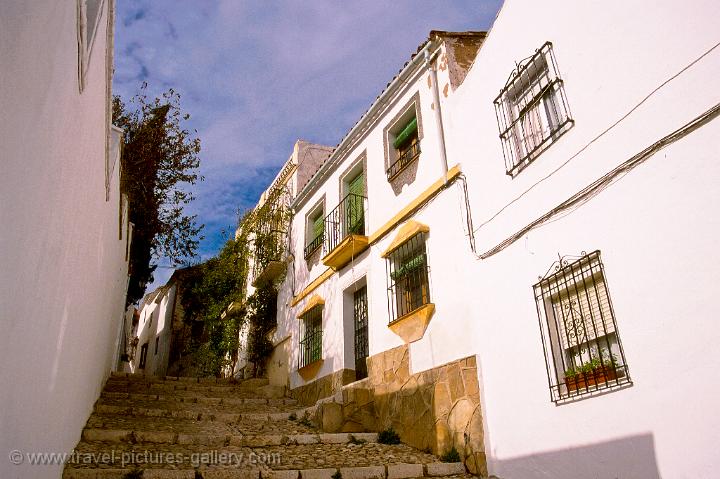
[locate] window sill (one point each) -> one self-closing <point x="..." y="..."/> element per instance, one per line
<point x="310" y="252"/>
<point x="311" y="370"/>
<point x="412" y="326"/>
<point x="405" y="166"/>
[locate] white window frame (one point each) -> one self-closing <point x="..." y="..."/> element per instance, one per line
<point x="87" y="32"/>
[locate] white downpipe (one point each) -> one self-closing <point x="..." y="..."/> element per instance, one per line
<point x="438" y="113"/>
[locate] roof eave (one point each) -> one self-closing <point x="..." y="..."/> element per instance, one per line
<point x="338" y="154"/>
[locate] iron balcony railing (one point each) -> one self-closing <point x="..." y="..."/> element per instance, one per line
<point x="402" y="161"/>
<point x="269" y="246"/>
<point x="348" y="218"/>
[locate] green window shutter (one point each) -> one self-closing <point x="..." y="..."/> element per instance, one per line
<point x="318" y="226"/>
<point x="406" y="133"/>
<point x="355" y="219"/>
<point x="357" y="185"/>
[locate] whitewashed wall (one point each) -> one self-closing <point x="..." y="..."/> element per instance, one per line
<point x="383" y="204"/>
<point x="155" y="324"/>
<point x="63" y="274"/>
<point x="655" y="229"/>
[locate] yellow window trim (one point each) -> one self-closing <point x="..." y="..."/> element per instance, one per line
<point x="422" y="198"/>
<point x="407" y="231"/>
<point x="314" y="302"/>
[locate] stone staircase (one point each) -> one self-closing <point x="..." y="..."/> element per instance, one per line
<point x="207" y="428"/>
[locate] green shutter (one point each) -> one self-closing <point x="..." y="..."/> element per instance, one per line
<point x="355" y="221"/>
<point x="406" y="133"/>
<point x="318" y="226"/>
<point x="357" y="185"/>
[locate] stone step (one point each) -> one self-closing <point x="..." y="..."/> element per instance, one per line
<point x="195" y="412"/>
<point x="367" y="472"/>
<point x="164" y="387"/>
<point x="231" y="405"/>
<point x="138" y="377"/>
<point x="310" y="461"/>
<point x="150" y="438"/>
<point x="267" y="392"/>
<point x="223" y="426"/>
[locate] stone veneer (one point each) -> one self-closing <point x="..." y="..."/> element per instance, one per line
<point x="431" y="410"/>
<point x="323" y="387"/>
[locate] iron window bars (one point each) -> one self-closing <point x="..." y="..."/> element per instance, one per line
<point x="408" y="277"/>
<point x="531" y="109"/>
<point x="407" y="147"/>
<point x="311" y="342"/>
<point x="581" y="344"/>
<point x="348" y="218"/>
<point x="360" y="317"/>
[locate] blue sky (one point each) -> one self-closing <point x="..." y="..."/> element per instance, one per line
<point x="256" y="76"/>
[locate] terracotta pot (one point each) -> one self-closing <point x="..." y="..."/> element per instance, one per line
<point x="598" y="376"/>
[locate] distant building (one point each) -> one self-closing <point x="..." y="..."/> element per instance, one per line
<point x="269" y="243"/>
<point x="65" y="234"/>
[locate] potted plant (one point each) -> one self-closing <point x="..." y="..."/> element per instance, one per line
<point x="595" y="372"/>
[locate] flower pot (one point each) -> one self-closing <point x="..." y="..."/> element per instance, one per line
<point x="598" y="376"/>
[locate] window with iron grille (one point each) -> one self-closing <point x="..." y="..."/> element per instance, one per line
<point x="406" y="145"/>
<point x="311" y="342"/>
<point x="581" y="342"/>
<point x="314" y="229"/>
<point x="408" y="277"/>
<point x="360" y="320"/>
<point x="531" y="109"/>
<point x="402" y="137"/>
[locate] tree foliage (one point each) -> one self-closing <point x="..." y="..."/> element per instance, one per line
<point x="159" y="162"/>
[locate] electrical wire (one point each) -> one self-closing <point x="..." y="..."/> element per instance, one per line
<point x="590" y="191"/>
<point x="600" y="135"/>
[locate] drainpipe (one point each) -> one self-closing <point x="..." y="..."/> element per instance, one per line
<point x="438" y="114"/>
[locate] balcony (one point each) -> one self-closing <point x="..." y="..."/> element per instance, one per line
<point x="345" y="231"/>
<point x="268" y="262"/>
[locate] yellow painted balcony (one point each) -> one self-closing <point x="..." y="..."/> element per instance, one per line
<point x="345" y="237"/>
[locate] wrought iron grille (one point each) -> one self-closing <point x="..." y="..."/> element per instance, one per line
<point x="269" y="241"/>
<point x="404" y="158"/>
<point x="532" y="110"/>
<point x="408" y="277"/>
<point x="311" y="342"/>
<point x="360" y="315"/>
<point x="348" y="218"/>
<point x="313" y="245"/>
<point x="581" y="343"/>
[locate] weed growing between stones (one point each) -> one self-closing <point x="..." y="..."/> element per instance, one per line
<point x="451" y="456"/>
<point x="388" y="436"/>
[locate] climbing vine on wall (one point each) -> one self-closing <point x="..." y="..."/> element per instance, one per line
<point x="216" y="295"/>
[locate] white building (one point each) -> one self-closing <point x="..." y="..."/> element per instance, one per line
<point x="268" y="238"/>
<point x="65" y="235"/>
<point x="547" y="305"/>
<point x="154" y="331"/>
